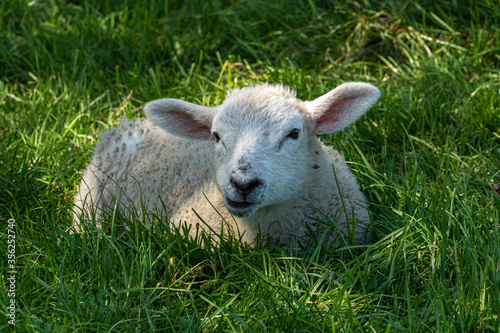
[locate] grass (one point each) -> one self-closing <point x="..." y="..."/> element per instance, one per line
<point x="426" y="156"/>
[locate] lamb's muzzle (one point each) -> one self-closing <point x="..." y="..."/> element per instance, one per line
<point x="244" y="195"/>
<point x="245" y="190"/>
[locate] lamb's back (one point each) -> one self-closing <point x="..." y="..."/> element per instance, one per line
<point x="145" y="167"/>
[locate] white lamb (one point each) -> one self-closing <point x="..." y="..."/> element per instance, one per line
<point x="252" y="163"/>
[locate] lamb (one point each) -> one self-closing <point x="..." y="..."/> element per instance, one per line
<point x="252" y="165"/>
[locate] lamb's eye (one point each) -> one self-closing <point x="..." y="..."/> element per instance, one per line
<point x="216" y="136"/>
<point x="294" y="134"/>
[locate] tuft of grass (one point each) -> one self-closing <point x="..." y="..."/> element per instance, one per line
<point x="425" y="156"/>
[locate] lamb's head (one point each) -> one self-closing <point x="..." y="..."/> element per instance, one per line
<point x="262" y="136"/>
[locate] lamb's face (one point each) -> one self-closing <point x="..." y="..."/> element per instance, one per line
<point x="261" y="136"/>
<point x="260" y="151"/>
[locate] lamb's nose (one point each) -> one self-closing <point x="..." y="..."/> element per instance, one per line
<point x="246" y="188"/>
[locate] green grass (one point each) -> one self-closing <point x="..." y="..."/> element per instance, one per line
<point x="426" y="156"/>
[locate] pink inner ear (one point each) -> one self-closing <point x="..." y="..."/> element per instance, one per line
<point x="334" y="113"/>
<point x="189" y="124"/>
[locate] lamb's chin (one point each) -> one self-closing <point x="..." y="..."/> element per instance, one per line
<point x="240" y="209"/>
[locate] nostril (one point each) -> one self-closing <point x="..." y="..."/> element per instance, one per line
<point x="246" y="188"/>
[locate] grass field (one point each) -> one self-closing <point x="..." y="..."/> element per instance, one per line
<point x="426" y="156"/>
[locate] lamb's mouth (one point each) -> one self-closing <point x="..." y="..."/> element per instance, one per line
<point x="240" y="205"/>
<point x="240" y="209"/>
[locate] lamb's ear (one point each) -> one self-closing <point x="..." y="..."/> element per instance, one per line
<point x="181" y="118"/>
<point x="342" y="106"/>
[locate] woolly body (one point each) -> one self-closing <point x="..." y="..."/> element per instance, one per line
<point x="267" y="171"/>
